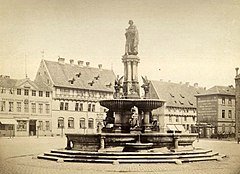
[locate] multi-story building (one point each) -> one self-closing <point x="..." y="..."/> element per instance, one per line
<point x="76" y="92"/>
<point x="25" y="108"/>
<point x="179" y="107"/>
<point x="216" y="108"/>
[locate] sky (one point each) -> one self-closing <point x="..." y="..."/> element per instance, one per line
<point x="195" y="41"/>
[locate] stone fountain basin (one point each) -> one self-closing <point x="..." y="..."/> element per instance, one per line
<point x="125" y="104"/>
<point x="92" y="142"/>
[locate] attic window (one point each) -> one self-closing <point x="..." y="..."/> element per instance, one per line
<point x="171" y="95"/>
<point x="79" y="74"/>
<point x="190" y="103"/>
<point x="182" y="96"/>
<point x="91" y="83"/>
<point x="109" y="85"/>
<point x="97" y="77"/>
<point x="181" y="102"/>
<point x="175" y="101"/>
<point x="71" y="81"/>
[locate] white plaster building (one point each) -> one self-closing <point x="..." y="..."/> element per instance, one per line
<point x="76" y="92"/>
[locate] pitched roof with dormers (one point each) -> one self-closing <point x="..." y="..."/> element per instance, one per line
<point x="175" y="94"/>
<point x="81" y="77"/>
<point x="219" y="90"/>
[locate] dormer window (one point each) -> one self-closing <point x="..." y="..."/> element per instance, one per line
<point x="71" y="81"/>
<point x="79" y="74"/>
<point x="182" y="96"/>
<point x="171" y="95"/>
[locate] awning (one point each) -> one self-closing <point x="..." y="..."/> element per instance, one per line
<point x="172" y="127"/>
<point x="8" y="121"/>
<point x="180" y="128"/>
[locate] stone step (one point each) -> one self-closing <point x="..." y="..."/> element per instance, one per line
<point x="72" y="152"/>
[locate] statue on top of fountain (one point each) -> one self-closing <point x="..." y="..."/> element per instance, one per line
<point x="131" y="46"/>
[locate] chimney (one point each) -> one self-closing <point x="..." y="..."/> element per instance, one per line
<point x="71" y="61"/>
<point x="87" y="64"/>
<point x="61" y="60"/>
<point x="180" y="83"/>
<point x="187" y="83"/>
<point x="100" y="66"/>
<point x="195" y="85"/>
<point x="236" y="70"/>
<point x="80" y="63"/>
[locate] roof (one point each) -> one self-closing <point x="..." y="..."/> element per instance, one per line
<point x="177" y="95"/>
<point x="75" y="76"/>
<point x="219" y="90"/>
<point x="7" y="82"/>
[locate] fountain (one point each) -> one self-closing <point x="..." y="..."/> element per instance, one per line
<point x="131" y="133"/>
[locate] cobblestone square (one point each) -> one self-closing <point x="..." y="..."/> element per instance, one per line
<point x="18" y="156"/>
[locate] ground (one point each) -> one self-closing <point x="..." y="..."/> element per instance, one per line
<point x="18" y="156"/>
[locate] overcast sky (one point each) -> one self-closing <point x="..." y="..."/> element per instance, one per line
<point x="188" y="40"/>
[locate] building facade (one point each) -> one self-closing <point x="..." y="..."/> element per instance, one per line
<point x="25" y="108"/>
<point x="216" y="108"/>
<point x="180" y="105"/>
<point x="77" y="90"/>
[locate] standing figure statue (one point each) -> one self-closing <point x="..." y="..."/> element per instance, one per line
<point x="131" y="47"/>
<point x="118" y="86"/>
<point x="145" y="86"/>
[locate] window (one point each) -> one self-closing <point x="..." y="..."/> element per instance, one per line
<point x="223" y="101"/>
<point x="33" y="107"/>
<point x="93" y="108"/>
<point x="47" y="125"/>
<point x="10" y="106"/>
<point x="33" y="92"/>
<point x="82" y="123"/>
<point x="90" y="123"/>
<point x="47" y="94"/>
<point x="66" y="106"/>
<point x="40" y="93"/>
<point x="19" y="106"/>
<point x="230" y="114"/>
<point x="3" y="90"/>
<point x="40" y="105"/>
<point x="170" y="118"/>
<point x="89" y="107"/>
<point x="2" y="105"/>
<point x="61" y="105"/>
<point x="177" y="119"/>
<point x="194" y="118"/>
<point x="40" y="124"/>
<point x="26" y="92"/>
<point x="81" y="107"/>
<point x="223" y="113"/>
<point x="47" y="108"/>
<point x="18" y="91"/>
<point x="26" y="107"/>
<point x="22" y="125"/>
<point x="60" y="122"/>
<point x="11" y="91"/>
<point x="230" y="101"/>
<point x="76" y="106"/>
<point x="185" y="118"/>
<point x="70" y="122"/>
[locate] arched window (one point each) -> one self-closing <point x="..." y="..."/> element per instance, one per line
<point x="82" y="123"/>
<point x="90" y="123"/>
<point x="60" y="122"/>
<point x="70" y="122"/>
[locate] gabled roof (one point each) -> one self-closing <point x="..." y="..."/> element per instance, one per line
<point x="219" y="90"/>
<point x="175" y="94"/>
<point x="74" y="76"/>
<point x="16" y="83"/>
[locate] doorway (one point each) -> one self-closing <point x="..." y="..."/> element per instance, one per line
<point x="32" y="127"/>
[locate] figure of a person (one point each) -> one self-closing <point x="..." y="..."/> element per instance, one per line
<point x="131" y="46"/>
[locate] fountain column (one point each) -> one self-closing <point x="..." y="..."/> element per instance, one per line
<point x="146" y="121"/>
<point x="118" y="122"/>
<point x="130" y="84"/>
